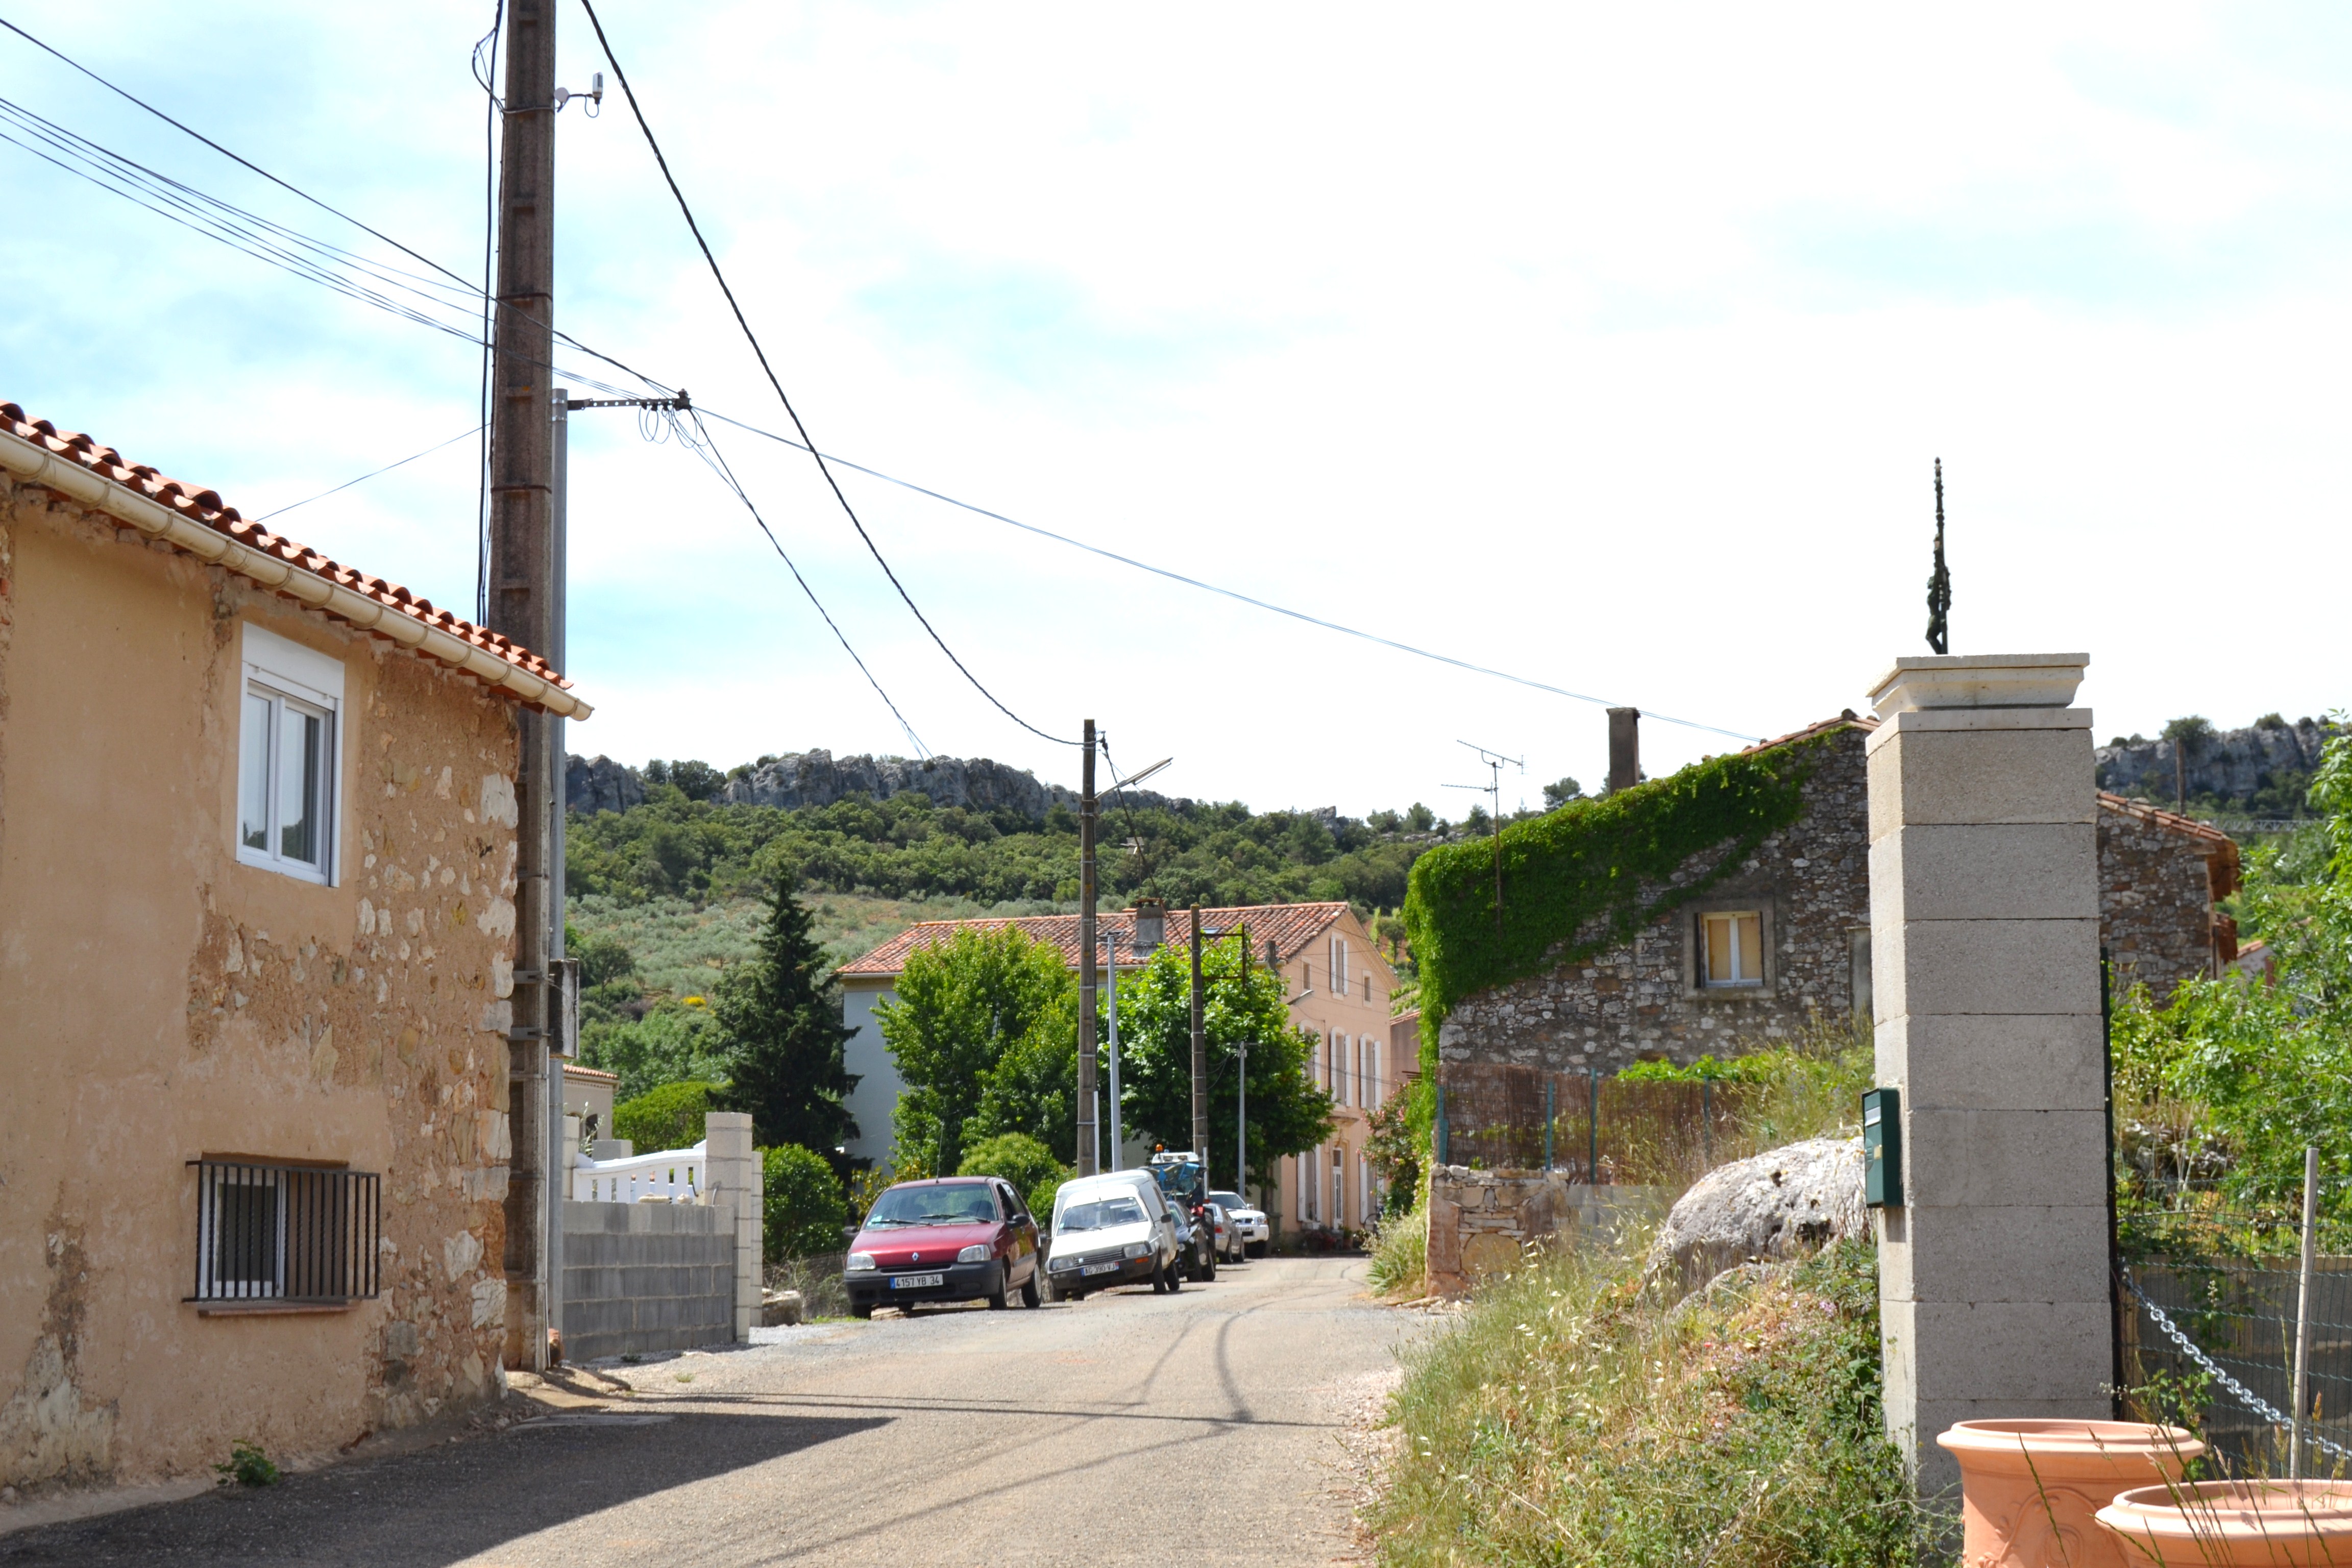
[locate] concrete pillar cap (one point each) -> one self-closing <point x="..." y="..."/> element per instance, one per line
<point x="1979" y="681"/>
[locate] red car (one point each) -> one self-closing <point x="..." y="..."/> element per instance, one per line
<point x="958" y="1238"/>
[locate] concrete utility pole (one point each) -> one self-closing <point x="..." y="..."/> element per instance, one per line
<point x="1088" y="1135"/>
<point x="1199" y="1056"/>
<point x="523" y="607"/>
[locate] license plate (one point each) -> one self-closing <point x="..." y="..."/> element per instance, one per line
<point x="916" y="1281"/>
<point x="1098" y="1267"/>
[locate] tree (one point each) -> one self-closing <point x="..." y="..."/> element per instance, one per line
<point x="1287" y="1114"/>
<point x="673" y="1044"/>
<point x="666" y="1118"/>
<point x="960" y="1006"/>
<point x="1021" y="1160"/>
<point x="802" y="1212"/>
<point x="1561" y="792"/>
<point x="1032" y="1090"/>
<point x="781" y="1017"/>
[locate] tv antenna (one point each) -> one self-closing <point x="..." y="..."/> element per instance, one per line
<point x="1496" y="761"/>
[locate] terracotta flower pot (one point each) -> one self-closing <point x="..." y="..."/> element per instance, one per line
<point x="2029" y="1489"/>
<point x="2222" y="1524"/>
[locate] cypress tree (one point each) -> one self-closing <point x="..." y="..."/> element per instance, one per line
<point x="781" y="1014"/>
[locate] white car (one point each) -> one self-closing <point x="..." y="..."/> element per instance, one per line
<point x="1248" y="1221"/>
<point x="1112" y="1229"/>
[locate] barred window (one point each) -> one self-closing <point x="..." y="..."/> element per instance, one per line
<point x="297" y="1235"/>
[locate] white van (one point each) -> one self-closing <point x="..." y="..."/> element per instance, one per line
<point x="1111" y="1229"/>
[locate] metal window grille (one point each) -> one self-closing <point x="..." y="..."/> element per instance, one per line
<point x="295" y="1233"/>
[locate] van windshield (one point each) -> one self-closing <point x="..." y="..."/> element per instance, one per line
<point x="1101" y="1214"/>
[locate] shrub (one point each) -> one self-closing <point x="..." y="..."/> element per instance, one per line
<point x="1569" y="1421"/>
<point x="802" y="1211"/>
<point x="247" y="1465"/>
<point x="1021" y="1160"/>
<point x="666" y="1118"/>
<point x="1400" y="1265"/>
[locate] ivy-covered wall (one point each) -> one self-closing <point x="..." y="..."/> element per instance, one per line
<point x="1590" y="878"/>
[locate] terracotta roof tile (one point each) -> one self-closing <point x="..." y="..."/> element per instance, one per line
<point x="1289" y="926"/>
<point x="205" y="507"/>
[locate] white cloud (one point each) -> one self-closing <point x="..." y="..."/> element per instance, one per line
<point x="1611" y="347"/>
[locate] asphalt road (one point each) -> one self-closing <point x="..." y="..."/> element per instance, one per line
<point x="1129" y="1428"/>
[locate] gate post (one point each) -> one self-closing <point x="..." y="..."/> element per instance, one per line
<point x="1984" y="896"/>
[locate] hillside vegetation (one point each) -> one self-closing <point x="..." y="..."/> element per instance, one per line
<point x="903" y="848"/>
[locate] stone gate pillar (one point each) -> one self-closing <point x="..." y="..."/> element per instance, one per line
<point x="1984" y="900"/>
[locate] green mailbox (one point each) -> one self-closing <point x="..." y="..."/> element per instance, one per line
<point x="1882" y="1147"/>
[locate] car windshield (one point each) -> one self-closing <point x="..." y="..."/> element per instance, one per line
<point x="933" y="1205"/>
<point x="1228" y="1202"/>
<point x="1101" y="1214"/>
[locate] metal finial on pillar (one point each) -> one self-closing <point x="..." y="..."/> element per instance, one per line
<point x="1939" y="583"/>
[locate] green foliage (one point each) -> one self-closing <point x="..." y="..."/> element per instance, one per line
<point x="666" y="1118"/>
<point x="802" y="1212"/>
<point x="247" y="1466"/>
<point x="1561" y="792"/>
<point x="672" y="1044"/>
<point x="1399" y="1263"/>
<point x="780" y="1017"/>
<point x="1586" y="878"/>
<point x="1022" y="1160"/>
<point x="1032" y="1090"/>
<point x="675" y="844"/>
<point x="1570" y="1422"/>
<point x="2219" y="1087"/>
<point x="1287" y="1114"/>
<point x="960" y="1006"/>
<point x="1394" y="1145"/>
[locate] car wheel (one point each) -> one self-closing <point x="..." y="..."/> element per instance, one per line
<point x="1032" y="1292"/>
<point x="1175" y="1275"/>
<point x="1255" y="1249"/>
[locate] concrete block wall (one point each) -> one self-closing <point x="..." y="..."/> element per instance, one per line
<point x="737" y="1185"/>
<point x="645" y="1278"/>
<point x="1985" y="957"/>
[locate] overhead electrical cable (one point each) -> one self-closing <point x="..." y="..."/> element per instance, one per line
<point x="806" y="443"/>
<point x="364" y="479"/>
<point x="855" y="467"/>
<point x="319" y="262"/>
<point x="698" y="440"/>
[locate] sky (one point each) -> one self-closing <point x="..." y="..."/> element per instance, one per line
<point x="1609" y="347"/>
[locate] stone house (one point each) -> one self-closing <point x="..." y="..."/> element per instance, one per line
<point x="258" y="856"/>
<point x="1342" y="987"/>
<point x="1785" y="937"/>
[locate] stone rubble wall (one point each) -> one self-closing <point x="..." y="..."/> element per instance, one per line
<point x="1480" y="1222"/>
<point x="1633" y="1001"/>
<point x="2156" y="896"/>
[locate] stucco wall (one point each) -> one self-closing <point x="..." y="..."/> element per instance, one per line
<point x="164" y="1002"/>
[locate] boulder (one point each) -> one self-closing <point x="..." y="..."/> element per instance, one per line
<point x="780" y="1309"/>
<point x="1783" y="1203"/>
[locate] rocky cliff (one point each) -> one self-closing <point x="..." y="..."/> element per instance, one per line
<point x="820" y="778"/>
<point x="2235" y="766"/>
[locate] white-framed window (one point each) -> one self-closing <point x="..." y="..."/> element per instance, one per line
<point x="1338" y="1185"/>
<point x="1731" y="948"/>
<point x="1339" y="962"/>
<point x="241" y="1234"/>
<point x="1373" y="1065"/>
<point x="289" y="708"/>
<point x="290" y="1233"/>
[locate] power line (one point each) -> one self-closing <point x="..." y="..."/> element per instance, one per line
<point x="1228" y="593"/>
<point x="699" y="442"/>
<point x="319" y="262"/>
<point x="806" y="443"/>
<point x="364" y="479"/>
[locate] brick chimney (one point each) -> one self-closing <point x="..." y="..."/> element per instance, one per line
<point x="1624" y="747"/>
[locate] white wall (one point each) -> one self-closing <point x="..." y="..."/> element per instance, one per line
<point x="877" y="1094"/>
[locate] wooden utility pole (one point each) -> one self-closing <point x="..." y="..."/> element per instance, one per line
<point x="1199" y="1056"/>
<point x="522" y="606"/>
<point x="1088" y="1134"/>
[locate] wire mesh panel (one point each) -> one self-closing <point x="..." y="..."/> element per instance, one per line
<point x="293" y="1234"/>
